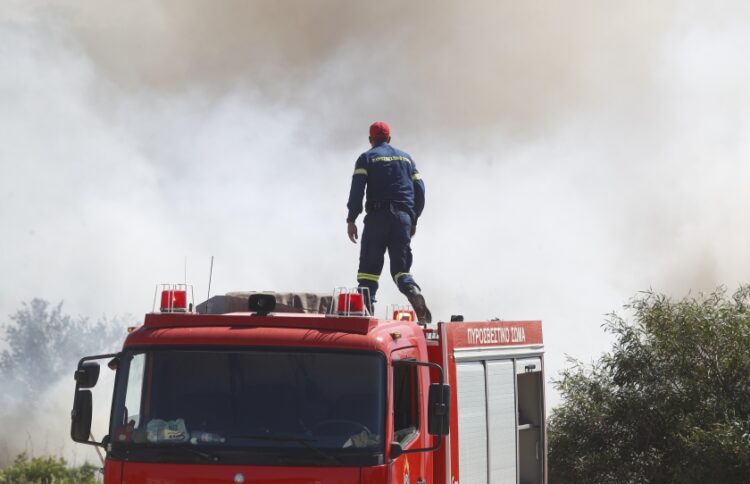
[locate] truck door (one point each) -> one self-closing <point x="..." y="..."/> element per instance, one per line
<point x="487" y="422"/>
<point x="531" y="439"/>
<point x="408" y="409"/>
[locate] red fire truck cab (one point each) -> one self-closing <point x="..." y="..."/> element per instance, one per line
<point x="245" y="390"/>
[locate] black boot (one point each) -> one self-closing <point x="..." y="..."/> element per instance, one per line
<point x="368" y="300"/>
<point x="416" y="299"/>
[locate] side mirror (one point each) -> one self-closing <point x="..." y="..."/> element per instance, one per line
<point x="396" y="450"/>
<point x="439" y="409"/>
<point x="87" y="374"/>
<point x="80" y="416"/>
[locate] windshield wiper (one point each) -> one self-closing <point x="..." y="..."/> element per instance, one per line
<point x="168" y="448"/>
<point x="289" y="438"/>
<point x="205" y="455"/>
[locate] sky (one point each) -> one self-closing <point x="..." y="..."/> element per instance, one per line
<point x="574" y="153"/>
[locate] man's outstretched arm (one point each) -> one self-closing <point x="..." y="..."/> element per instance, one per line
<point x="418" y="196"/>
<point x="356" y="195"/>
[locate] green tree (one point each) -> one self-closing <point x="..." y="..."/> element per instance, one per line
<point x="44" y="344"/>
<point x="670" y="403"/>
<point x="46" y="470"/>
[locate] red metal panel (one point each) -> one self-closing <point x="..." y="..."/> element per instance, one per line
<point x="142" y="473"/>
<point x="493" y="333"/>
<point x="451" y="450"/>
<point x="418" y="466"/>
<point x="375" y="475"/>
<point x="358" y="325"/>
<point x="380" y="338"/>
<point x="112" y="471"/>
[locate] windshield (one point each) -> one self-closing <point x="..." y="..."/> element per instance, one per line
<point x="287" y="407"/>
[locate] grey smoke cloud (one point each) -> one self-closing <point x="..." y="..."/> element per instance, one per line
<point x="438" y="68"/>
<point x="574" y="152"/>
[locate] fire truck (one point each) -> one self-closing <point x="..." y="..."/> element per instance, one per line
<point x="309" y="388"/>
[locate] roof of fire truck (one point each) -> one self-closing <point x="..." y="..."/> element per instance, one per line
<point x="314" y="320"/>
<point x="299" y="319"/>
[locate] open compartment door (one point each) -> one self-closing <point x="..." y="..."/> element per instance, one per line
<point x="529" y="385"/>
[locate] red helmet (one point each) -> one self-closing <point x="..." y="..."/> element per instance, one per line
<point x="380" y="130"/>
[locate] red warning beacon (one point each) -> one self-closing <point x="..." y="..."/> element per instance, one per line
<point x="174" y="298"/>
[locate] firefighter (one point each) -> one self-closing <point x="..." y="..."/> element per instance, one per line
<point x="395" y="199"/>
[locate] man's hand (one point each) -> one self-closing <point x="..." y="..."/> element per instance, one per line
<point x="413" y="229"/>
<point x="351" y="230"/>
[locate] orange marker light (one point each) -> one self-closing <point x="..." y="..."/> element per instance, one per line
<point x="404" y="315"/>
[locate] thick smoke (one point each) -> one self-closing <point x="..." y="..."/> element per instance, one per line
<point x="574" y="152"/>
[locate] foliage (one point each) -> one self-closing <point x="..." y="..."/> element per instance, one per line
<point x="669" y="403"/>
<point x="44" y="344"/>
<point x="46" y="470"/>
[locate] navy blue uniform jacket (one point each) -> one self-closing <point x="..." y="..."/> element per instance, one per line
<point x="389" y="175"/>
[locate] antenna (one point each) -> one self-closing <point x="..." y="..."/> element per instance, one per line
<point x="208" y="296"/>
<point x="186" y="270"/>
